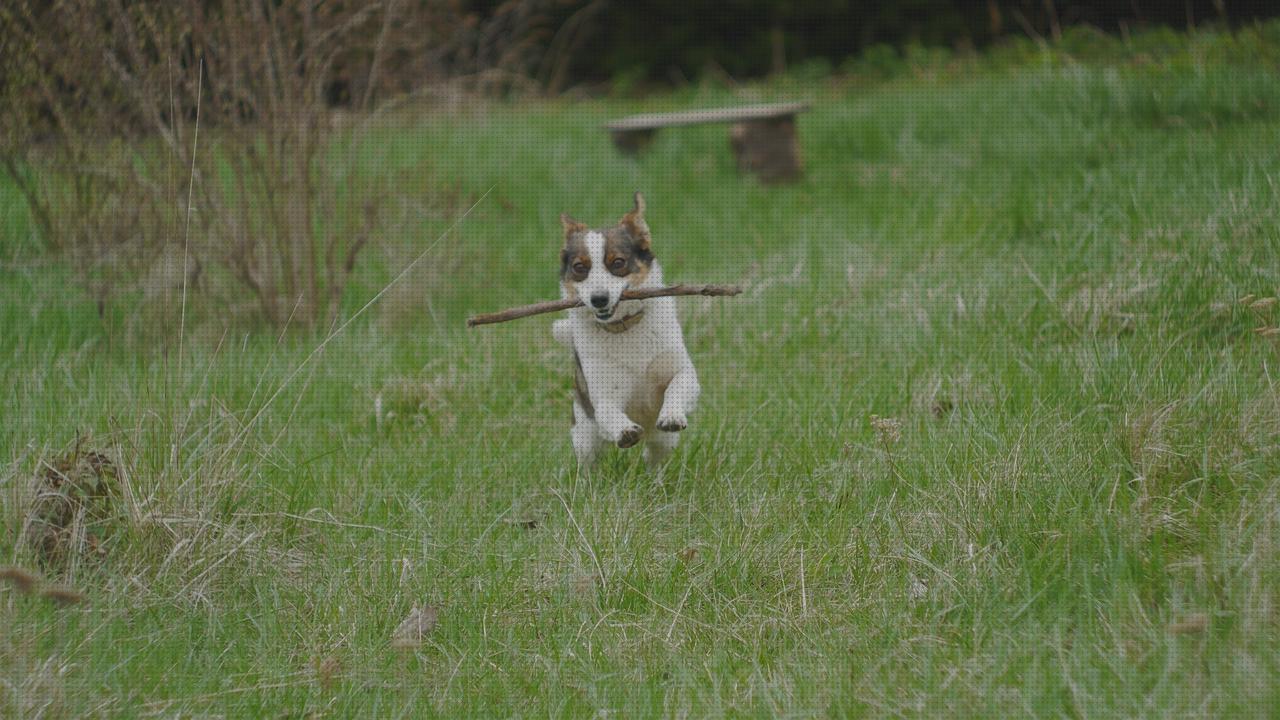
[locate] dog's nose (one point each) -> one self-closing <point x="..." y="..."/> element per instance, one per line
<point x="599" y="301"/>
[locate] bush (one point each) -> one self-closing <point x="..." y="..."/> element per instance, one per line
<point x="177" y="136"/>
<point x="158" y="144"/>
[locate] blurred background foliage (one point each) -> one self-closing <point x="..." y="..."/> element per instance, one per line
<point x="258" y="109"/>
<point x="666" y="40"/>
<point x="633" y="45"/>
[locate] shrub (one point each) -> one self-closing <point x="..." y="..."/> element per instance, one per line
<point x="158" y="144"/>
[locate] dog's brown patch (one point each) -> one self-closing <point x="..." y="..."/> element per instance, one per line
<point x="627" y="245"/>
<point x="575" y="260"/>
<point x="570" y="225"/>
<point x="634" y="221"/>
<point x="627" y="254"/>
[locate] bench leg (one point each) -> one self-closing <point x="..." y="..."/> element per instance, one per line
<point x="631" y="142"/>
<point x="767" y="148"/>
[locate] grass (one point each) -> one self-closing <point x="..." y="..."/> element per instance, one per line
<point x="989" y="434"/>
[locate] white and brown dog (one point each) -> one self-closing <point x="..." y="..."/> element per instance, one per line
<point x="632" y="375"/>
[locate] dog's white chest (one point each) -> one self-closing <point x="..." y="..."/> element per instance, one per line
<point x="632" y="368"/>
<point x="633" y="350"/>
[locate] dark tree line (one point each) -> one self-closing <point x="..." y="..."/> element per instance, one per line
<point x="665" y="39"/>
<point x="496" y="46"/>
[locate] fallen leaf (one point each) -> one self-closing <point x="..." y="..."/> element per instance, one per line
<point x="530" y="523"/>
<point x="585" y="584"/>
<point x="420" y="621"/>
<point x="918" y="588"/>
<point x="1196" y="623"/>
<point x="327" y="670"/>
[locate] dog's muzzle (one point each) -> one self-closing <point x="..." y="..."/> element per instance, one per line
<point x="600" y="304"/>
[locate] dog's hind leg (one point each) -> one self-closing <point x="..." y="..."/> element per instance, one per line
<point x="586" y="436"/>
<point x="658" y="447"/>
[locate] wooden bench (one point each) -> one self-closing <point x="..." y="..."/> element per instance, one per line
<point x="763" y="137"/>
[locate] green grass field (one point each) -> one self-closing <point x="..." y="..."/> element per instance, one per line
<point x="1067" y="505"/>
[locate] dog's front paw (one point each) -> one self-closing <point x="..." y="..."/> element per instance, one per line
<point x="672" y="423"/>
<point x="630" y="436"/>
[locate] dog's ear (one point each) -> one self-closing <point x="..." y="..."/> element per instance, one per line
<point x="634" y="221"/>
<point x="570" y="225"/>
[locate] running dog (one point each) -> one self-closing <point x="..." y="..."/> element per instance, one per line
<point x="633" y="378"/>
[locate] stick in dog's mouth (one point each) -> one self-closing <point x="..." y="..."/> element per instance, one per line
<point x="516" y="313"/>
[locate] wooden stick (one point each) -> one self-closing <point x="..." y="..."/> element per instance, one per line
<point x="516" y="313"/>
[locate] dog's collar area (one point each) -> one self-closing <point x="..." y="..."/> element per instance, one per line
<point x="623" y="324"/>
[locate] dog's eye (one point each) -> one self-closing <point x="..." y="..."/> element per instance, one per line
<point x="617" y="264"/>
<point x="580" y="267"/>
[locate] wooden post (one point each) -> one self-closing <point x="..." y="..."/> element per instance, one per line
<point x="768" y="148"/>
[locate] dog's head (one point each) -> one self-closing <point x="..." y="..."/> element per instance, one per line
<point x="597" y="265"/>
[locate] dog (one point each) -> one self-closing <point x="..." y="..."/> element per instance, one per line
<point x="633" y="378"/>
